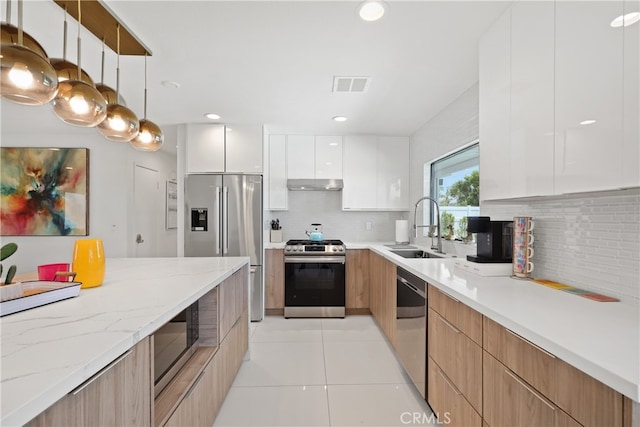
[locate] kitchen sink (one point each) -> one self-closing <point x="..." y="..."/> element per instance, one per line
<point x="415" y="254"/>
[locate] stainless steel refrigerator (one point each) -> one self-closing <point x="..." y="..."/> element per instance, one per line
<point x="224" y="218"/>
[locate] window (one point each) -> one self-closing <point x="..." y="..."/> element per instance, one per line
<point x="454" y="181"/>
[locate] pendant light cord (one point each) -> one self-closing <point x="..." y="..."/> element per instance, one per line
<point x="9" y="12"/>
<point x="145" y="85"/>
<point x="20" y="22"/>
<point x="118" y="64"/>
<point x="64" y="37"/>
<point x="79" y="48"/>
<point x="102" y="67"/>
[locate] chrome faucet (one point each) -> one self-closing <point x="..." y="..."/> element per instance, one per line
<point x="438" y="248"/>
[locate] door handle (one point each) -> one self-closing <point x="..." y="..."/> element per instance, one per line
<point x="217" y="222"/>
<point x="225" y="221"/>
<point x="139" y="239"/>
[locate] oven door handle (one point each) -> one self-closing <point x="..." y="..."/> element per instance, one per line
<point x="314" y="259"/>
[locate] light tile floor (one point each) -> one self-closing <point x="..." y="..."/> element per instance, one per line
<point x="321" y="372"/>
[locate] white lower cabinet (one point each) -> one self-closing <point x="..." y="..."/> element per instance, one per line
<point x="375" y="173"/>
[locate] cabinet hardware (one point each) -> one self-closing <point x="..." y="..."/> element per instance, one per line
<point x="457" y="331"/>
<point x="444" y="377"/>
<point x="530" y="343"/>
<point x="449" y="296"/>
<point x="543" y="400"/>
<point x="195" y="384"/>
<point x="99" y="374"/>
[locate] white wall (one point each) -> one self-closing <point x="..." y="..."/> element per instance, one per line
<point x="110" y="197"/>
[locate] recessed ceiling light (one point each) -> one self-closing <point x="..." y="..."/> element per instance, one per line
<point x="626" y="20"/>
<point x="333" y="144"/>
<point x="212" y="116"/>
<point x="170" y="83"/>
<point x="587" y="122"/>
<point x="228" y="129"/>
<point x="372" y="10"/>
<point x="340" y="119"/>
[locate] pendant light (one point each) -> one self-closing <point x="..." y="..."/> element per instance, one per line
<point x="150" y="137"/>
<point x="26" y="76"/>
<point x="121" y="124"/>
<point x="79" y="103"/>
<point x="107" y="92"/>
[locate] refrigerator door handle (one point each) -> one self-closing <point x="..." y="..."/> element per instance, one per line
<point x="217" y="223"/>
<point x="225" y="221"/>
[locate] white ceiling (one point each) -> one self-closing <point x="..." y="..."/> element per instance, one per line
<point x="273" y="62"/>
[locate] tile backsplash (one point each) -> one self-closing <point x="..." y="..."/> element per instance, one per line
<point x="325" y="207"/>
<point x="591" y="242"/>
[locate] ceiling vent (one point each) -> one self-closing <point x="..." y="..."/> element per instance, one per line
<point x="351" y="84"/>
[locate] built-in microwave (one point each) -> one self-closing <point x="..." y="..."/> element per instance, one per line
<point x="173" y="344"/>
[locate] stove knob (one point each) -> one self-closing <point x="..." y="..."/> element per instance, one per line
<point x="287" y="248"/>
<point x="334" y="249"/>
<point x="341" y="249"/>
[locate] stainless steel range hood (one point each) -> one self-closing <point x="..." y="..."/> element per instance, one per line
<point x="314" y="184"/>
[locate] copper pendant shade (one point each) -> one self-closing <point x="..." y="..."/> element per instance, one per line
<point x="78" y="102"/>
<point x="150" y="137"/>
<point x="121" y="124"/>
<point x="26" y="76"/>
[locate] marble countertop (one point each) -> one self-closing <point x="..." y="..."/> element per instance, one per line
<point x="50" y="350"/>
<point x="601" y="339"/>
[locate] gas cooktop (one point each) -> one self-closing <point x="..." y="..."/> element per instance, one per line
<point x="311" y="247"/>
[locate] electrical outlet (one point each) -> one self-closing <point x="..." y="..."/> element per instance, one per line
<point x="368" y="226"/>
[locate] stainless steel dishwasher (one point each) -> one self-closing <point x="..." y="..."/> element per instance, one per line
<point x="411" y="326"/>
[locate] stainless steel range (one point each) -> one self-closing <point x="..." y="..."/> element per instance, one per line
<point x="314" y="284"/>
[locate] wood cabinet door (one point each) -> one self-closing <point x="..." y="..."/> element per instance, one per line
<point x="357" y="278"/>
<point x="510" y="401"/>
<point x="458" y="314"/>
<point x="120" y="394"/>
<point x="457" y="356"/>
<point x="382" y="297"/>
<point x="447" y="402"/>
<point x="274" y="278"/>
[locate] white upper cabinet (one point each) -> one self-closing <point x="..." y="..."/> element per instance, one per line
<point x="531" y="112"/>
<point x="205" y="148"/>
<point x="328" y="151"/>
<point x="631" y="120"/>
<point x="571" y="115"/>
<point x="300" y="157"/>
<point x="494" y="110"/>
<point x="393" y="173"/>
<point x="376" y="173"/>
<point x="244" y="149"/>
<point x="588" y="87"/>
<point x="360" y="172"/>
<point x="211" y="148"/>
<point x="314" y="157"/>
<point x="277" y="173"/>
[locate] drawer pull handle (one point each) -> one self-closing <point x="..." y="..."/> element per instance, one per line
<point x="457" y="331"/>
<point x="543" y="400"/>
<point x="195" y="384"/>
<point x="99" y="374"/>
<point x="446" y="380"/>
<point x="530" y="343"/>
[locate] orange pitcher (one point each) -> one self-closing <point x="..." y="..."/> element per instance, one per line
<point x="88" y="262"/>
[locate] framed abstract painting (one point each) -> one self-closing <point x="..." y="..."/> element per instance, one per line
<point x="44" y="191"/>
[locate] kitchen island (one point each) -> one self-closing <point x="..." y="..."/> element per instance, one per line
<point x="49" y="351"/>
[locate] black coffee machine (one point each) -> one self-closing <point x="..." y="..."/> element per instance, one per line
<point x="494" y="239"/>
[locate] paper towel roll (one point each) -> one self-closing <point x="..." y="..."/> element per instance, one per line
<point x="402" y="231"/>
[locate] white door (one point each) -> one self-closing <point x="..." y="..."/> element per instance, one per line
<point x="147" y="212"/>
